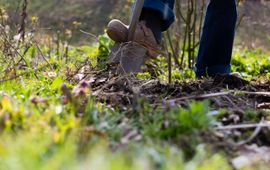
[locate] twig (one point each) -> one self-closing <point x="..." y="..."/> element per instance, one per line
<point x="240" y="21"/>
<point x="204" y="96"/>
<point x="21" y="30"/>
<point x="211" y="95"/>
<point x="253" y="136"/>
<point x="244" y="126"/>
<point x="172" y="48"/>
<point x="90" y="34"/>
<point x="178" y="8"/>
<point x="254" y="93"/>
<point x="23" y="74"/>
<point x="170" y="68"/>
<point x="42" y="55"/>
<point x="14" y="48"/>
<point x="149" y="82"/>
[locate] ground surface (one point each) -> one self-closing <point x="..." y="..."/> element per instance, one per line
<point x="237" y="134"/>
<point x="93" y="115"/>
<point x="226" y="91"/>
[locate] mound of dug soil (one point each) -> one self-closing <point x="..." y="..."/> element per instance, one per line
<point x="225" y="91"/>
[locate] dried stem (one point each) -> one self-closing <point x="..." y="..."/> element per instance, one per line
<point x="21" y="30"/>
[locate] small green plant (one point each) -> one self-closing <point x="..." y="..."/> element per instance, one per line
<point x="105" y="43"/>
<point x="179" y="121"/>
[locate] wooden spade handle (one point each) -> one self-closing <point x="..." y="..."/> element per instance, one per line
<point x="135" y="19"/>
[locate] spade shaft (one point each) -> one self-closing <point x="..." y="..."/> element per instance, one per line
<point x="135" y="19"/>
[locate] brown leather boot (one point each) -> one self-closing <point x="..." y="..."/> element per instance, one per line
<point x="118" y="32"/>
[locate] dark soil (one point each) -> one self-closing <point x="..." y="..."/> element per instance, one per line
<point x="121" y="91"/>
<point x="231" y="93"/>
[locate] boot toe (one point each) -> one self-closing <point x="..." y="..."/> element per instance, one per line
<point x="117" y="31"/>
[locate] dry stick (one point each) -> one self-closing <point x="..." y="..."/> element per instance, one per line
<point x="201" y="18"/>
<point x="253" y="136"/>
<point x="230" y="101"/>
<point x="14" y="48"/>
<point x="186" y="36"/>
<point x="2" y="16"/>
<point x="244" y="126"/>
<point x="58" y="45"/>
<point x="24" y="53"/>
<point x="170" y="68"/>
<point x="66" y="53"/>
<point x="240" y="18"/>
<point x="21" y="30"/>
<point x="192" y="30"/>
<point x="184" y="47"/>
<point x="254" y="93"/>
<point x="189" y="16"/>
<point x="205" y="96"/>
<point x="171" y="46"/>
<point x="177" y="47"/>
<point x="189" y="28"/>
<point x="149" y="82"/>
<point x="23" y="74"/>
<point x="240" y="21"/>
<point x="169" y="62"/>
<point x="42" y="55"/>
<point x="180" y="15"/>
<point x="178" y="8"/>
<point x="90" y="34"/>
<point x="194" y="33"/>
<point x="177" y="36"/>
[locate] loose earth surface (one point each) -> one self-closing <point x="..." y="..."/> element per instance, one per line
<point x="231" y="93"/>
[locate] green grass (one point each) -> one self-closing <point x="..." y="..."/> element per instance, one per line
<point x="49" y="136"/>
<point x="251" y="62"/>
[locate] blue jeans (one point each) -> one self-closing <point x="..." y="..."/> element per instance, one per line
<point x="165" y="7"/>
<point x="217" y="38"/>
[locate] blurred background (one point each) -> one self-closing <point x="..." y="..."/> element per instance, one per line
<point x="91" y="16"/>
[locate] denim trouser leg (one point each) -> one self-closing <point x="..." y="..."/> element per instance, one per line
<point x="165" y="7"/>
<point x="216" y="44"/>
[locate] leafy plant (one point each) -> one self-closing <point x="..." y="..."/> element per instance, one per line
<point x="105" y="43"/>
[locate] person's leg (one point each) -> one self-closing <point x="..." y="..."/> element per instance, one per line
<point x="158" y="15"/>
<point x="217" y="39"/>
